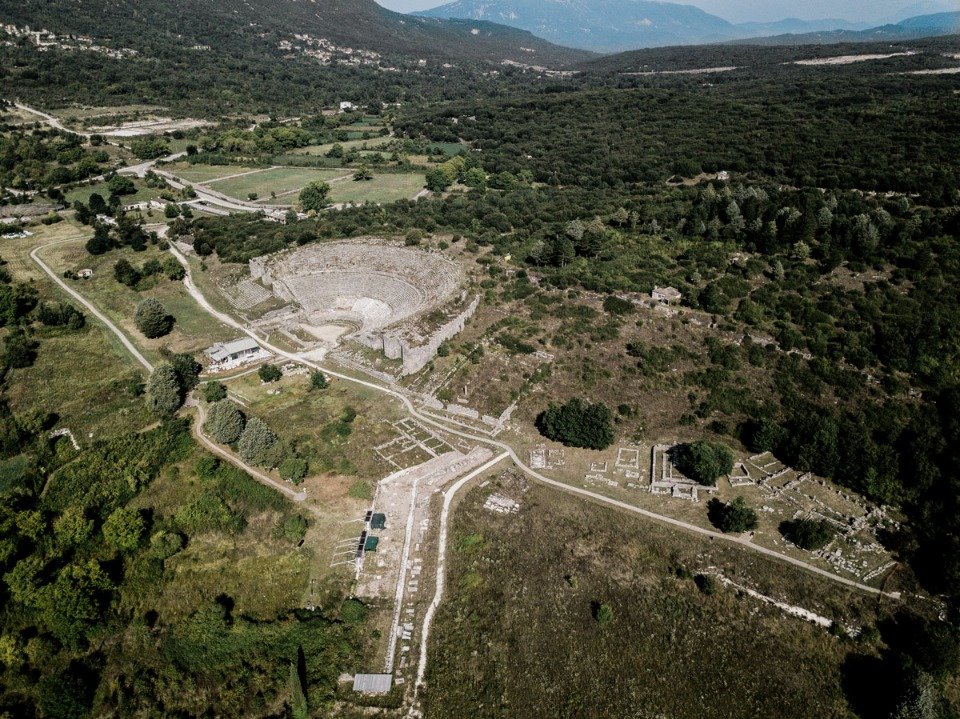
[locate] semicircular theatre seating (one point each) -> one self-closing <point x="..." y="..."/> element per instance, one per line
<point x="372" y="299"/>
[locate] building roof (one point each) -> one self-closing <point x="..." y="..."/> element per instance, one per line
<point x="223" y="350"/>
<point x="372" y="683"/>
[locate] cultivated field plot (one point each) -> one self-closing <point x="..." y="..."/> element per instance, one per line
<point x="285" y="182"/>
<point x="376" y="143"/>
<point x="143" y="193"/>
<point x="523" y="592"/>
<point x="205" y="173"/>
<point x="382" y="188"/>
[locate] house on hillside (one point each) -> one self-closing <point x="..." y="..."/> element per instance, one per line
<point x="224" y="355"/>
<point x="347" y="106"/>
<point x="666" y="295"/>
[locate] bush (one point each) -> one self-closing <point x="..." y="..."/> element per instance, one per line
<point x="294" y="469"/>
<point x="706" y="584"/>
<point x="733" y="517"/>
<point x="208" y="513"/>
<point x="214" y="392"/>
<point x="616" y="306"/>
<point x="269" y="373"/>
<point x="602" y="613"/>
<point x="809" y="534"/>
<point x="318" y="380"/>
<point x="704" y="461"/>
<point x="294" y="527"/>
<point x="225" y="422"/>
<point x="152" y="319"/>
<point x="256" y="441"/>
<point x="578" y="424"/>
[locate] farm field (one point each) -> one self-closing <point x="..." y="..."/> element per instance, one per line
<point x="142" y="194"/>
<point x="524" y="590"/>
<point x="374" y="143"/>
<point x="205" y="173"/>
<point x="284" y="181"/>
<point x="382" y="188"/>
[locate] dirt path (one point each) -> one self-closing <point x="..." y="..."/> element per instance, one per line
<point x="236" y="461"/>
<point x="34" y="255"/>
<point x="570" y="489"/>
<point x="442" y="564"/>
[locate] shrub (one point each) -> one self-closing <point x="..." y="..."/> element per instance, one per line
<point x="294" y="469"/>
<point x="733" y="517"/>
<point x="808" y="534"/>
<point x="578" y="424"/>
<point x="269" y="373"/>
<point x="256" y="441"/>
<point x="616" y="306"/>
<point x="706" y="584"/>
<point x="214" y="392"/>
<point x="152" y="319"/>
<point x="19" y="351"/>
<point x="225" y="422"/>
<point x="602" y="613"/>
<point x="704" y="461"/>
<point x="294" y="527"/>
<point x="318" y="380"/>
<point x="206" y="514"/>
<point x="164" y="545"/>
<point x="124" y="529"/>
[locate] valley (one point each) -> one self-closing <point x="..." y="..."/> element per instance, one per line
<point x="359" y="364"/>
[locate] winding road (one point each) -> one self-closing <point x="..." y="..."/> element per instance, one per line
<point x="408" y="405"/>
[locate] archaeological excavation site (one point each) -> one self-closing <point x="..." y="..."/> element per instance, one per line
<point x="400" y="302"/>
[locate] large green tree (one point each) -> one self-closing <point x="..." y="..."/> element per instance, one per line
<point x="164" y="393"/>
<point x="124" y="529"/>
<point x="704" y="461"/>
<point x="152" y="318"/>
<point x="313" y="197"/>
<point x="224" y="422"/>
<point x="256" y="442"/>
<point x="578" y="424"/>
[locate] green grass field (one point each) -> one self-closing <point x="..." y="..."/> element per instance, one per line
<point x="517" y="636"/>
<point x="319" y="150"/>
<point x="194" y="329"/>
<point x="382" y="188"/>
<point x="206" y="173"/>
<point x="142" y="194"/>
<point x="284" y="181"/>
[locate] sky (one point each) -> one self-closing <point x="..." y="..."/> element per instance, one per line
<point x="871" y="11"/>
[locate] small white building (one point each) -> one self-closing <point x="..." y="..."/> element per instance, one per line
<point x="232" y="353"/>
<point x="347" y="106"/>
<point x="85" y="274"/>
<point x="666" y="295"/>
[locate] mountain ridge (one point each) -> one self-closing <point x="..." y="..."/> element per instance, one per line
<point x="621" y="25"/>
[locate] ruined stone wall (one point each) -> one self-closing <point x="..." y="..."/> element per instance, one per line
<point x="415" y="357"/>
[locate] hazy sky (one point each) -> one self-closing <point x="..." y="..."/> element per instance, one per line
<point x="765" y="10"/>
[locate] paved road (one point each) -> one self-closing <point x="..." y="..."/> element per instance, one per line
<point x="35" y="256"/>
<point x="408" y="405"/>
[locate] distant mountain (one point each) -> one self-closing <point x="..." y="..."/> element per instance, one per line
<point x="152" y="26"/>
<point x="795" y="25"/>
<point x="605" y="26"/>
<point x="947" y="23"/>
<point x="619" y="25"/>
